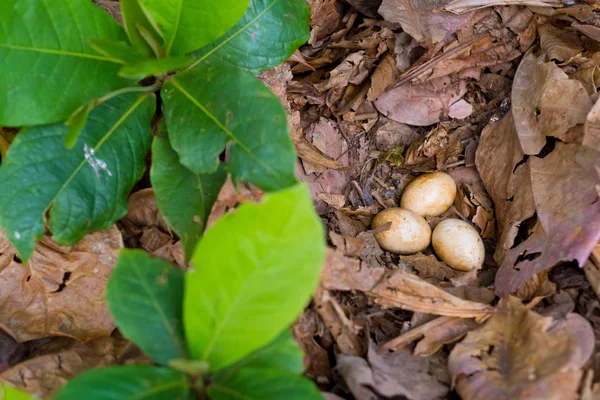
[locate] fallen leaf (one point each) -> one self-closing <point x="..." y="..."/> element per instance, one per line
<point x="307" y="330"/>
<point x="536" y="288"/>
<point x="546" y="103"/>
<point x="460" y="6"/>
<point x="367" y="7"/>
<point x="45" y="373"/>
<point x="509" y="357"/>
<point x="395" y="375"/>
<point x="429" y="267"/>
<point x="403" y="290"/>
<point x="383" y="76"/>
<point x="7" y="135"/>
<point x="591" y="137"/>
<point x="324" y="19"/>
<point x="352" y="70"/>
<point x="422" y="104"/>
<point x="345" y="273"/>
<point x="421" y="21"/>
<point x="538" y="230"/>
<point x="60" y="291"/>
<point x="432" y="335"/>
<point x="559" y="44"/>
<point x="143" y="211"/>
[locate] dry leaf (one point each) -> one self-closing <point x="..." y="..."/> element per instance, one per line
<point x="429" y="267"/>
<point x="143" y="211"/>
<point x="538" y="230"/>
<point x="591" y="137"/>
<point x="509" y="357"/>
<point x="400" y="289"/>
<point x="60" y="291"/>
<point x="307" y="329"/>
<point x="324" y="19"/>
<point x="44" y="374"/>
<point x="346" y="273"/>
<point x="384" y="76"/>
<point x="398" y="375"/>
<point x="432" y="335"/>
<point x="422" y="104"/>
<point x="546" y="103"/>
<point x="352" y="70"/>
<point x="7" y="135"/>
<point x="460" y="6"/>
<point x="422" y="19"/>
<point x="559" y="44"/>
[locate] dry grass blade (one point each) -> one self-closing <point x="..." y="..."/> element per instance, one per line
<point x="461" y="6"/>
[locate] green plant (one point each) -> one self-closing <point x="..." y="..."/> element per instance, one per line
<point x="85" y="92"/>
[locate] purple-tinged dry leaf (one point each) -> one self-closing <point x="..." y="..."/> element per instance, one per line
<point x="422" y="104"/>
<point x="568" y="212"/>
<point x="552" y="201"/>
<point x="395" y="375"/>
<point x="60" y="291"/>
<point x="423" y="19"/>
<point x="591" y="136"/>
<point x="546" y="103"/>
<point x="521" y="355"/>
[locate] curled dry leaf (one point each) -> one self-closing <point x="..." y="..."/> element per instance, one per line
<point x="561" y="227"/>
<point x="324" y="19"/>
<point x="45" y="373"/>
<point x="546" y="103"/>
<point x="432" y="335"/>
<point x="559" y="44"/>
<point x="423" y="104"/>
<point x="508" y="357"/>
<point x="591" y="136"/>
<point x="395" y="375"/>
<point x="404" y="290"/>
<point x="460" y="6"/>
<point x="60" y="291"/>
<point x="423" y="20"/>
<point x="384" y="76"/>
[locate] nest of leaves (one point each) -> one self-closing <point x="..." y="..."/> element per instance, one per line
<point x="502" y="95"/>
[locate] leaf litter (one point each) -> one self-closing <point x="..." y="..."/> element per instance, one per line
<point x="500" y="94"/>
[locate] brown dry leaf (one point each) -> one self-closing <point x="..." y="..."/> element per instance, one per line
<point x="437" y="144"/>
<point x="400" y="289"/>
<point x="345" y="273"/>
<point x="367" y="7"/>
<point x="591" y="136"/>
<point x="538" y="230"/>
<point x="536" y="288"/>
<point x="423" y="20"/>
<point x="307" y="329"/>
<point x="230" y="197"/>
<point x="432" y="335"/>
<point x="352" y="70"/>
<point x="43" y="374"/>
<point x="385" y="74"/>
<point x="559" y="44"/>
<point x="546" y="103"/>
<point x="325" y="17"/>
<point x="348" y="335"/>
<point x="429" y="267"/>
<point x="521" y="355"/>
<point x="143" y="211"/>
<point x="398" y="375"/>
<point x="422" y="104"/>
<point x="460" y="6"/>
<point x="60" y="291"/>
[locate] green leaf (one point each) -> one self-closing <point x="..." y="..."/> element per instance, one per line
<point x="84" y="188"/>
<point x="191" y="24"/>
<point x="47" y="67"/>
<point x="155" y="66"/>
<point x="267" y="35"/>
<point x="76" y="122"/>
<point x="145" y="295"/>
<point x="281" y="354"/>
<point x="134" y="382"/>
<point x="184" y="198"/>
<point x="264" y="383"/>
<point x="121" y="51"/>
<point x="255" y="271"/>
<point x="134" y="16"/>
<point x="210" y="106"/>
<point x="12" y="393"/>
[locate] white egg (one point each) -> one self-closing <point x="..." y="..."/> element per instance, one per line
<point x="429" y="194"/>
<point x="458" y="244"/>
<point x="409" y="233"/>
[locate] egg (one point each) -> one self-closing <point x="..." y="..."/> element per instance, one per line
<point x="458" y="244"/>
<point x="429" y="194"/>
<point x="409" y="233"/>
